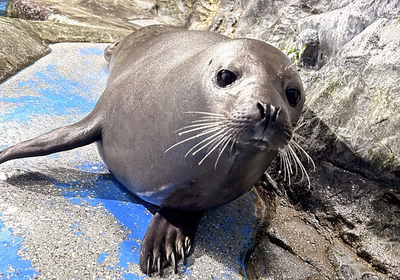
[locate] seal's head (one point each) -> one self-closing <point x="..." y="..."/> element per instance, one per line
<point x="255" y="96"/>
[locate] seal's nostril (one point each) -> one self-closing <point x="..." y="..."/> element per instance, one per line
<point x="275" y="113"/>
<point x="265" y="110"/>
<point x="261" y="108"/>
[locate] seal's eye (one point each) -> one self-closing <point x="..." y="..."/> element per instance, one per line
<point x="225" y="78"/>
<point x="293" y="96"/>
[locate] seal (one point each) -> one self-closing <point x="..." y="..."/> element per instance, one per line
<point x="189" y="121"/>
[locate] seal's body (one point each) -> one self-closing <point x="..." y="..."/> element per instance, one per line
<point x="189" y="121"/>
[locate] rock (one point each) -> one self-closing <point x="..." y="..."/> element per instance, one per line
<point x="343" y="21"/>
<point x="310" y="40"/>
<point x="87" y="13"/>
<point x="281" y="22"/>
<point x="15" y="53"/>
<point x="357" y="102"/>
<point x="100" y="14"/>
<point x="298" y="246"/>
<point x="345" y="224"/>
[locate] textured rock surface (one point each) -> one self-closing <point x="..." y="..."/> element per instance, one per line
<point x="96" y="13"/>
<point x="344" y="226"/>
<point x="43" y="22"/>
<point x="344" y="20"/>
<point x="281" y="22"/>
<point x="15" y="53"/>
<point x="297" y="242"/>
<point x="357" y="94"/>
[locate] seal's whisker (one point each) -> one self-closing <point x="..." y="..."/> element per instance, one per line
<point x="234" y="138"/>
<point x="298" y="137"/>
<point x="291" y="155"/>
<point x="203" y="125"/>
<point x="280" y="161"/>
<point x="198" y="128"/>
<point x="282" y="154"/>
<point x="303" y="170"/>
<point x="209" y="153"/>
<point x="226" y="132"/>
<point x="231" y="132"/>
<point x="286" y="164"/>
<point x="239" y="132"/>
<point x="204" y="113"/>
<point x="299" y="148"/>
<point x="297" y="164"/>
<point x="209" y="143"/>
<point x="204" y="140"/>
<point x="207" y="118"/>
<point x="287" y="134"/>
<point x="298" y="126"/>
<point x="289" y="166"/>
<point x="291" y="158"/>
<point x="228" y="138"/>
<point x="193" y="137"/>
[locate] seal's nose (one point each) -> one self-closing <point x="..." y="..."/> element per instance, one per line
<point x="268" y="112"/>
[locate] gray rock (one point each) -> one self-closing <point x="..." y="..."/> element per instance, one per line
<point x="345" y="20"/>
<point x="281" y="22"/>
<point x="310" y="40"/>
<point x="346" y="224"/>
<point x="87" y="13"/>
<point x="354" y="99"/>
<point x="15" y="53"/>
<point x="298" y="245"/>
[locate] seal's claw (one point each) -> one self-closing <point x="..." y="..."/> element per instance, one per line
<point x="183" y="256"/>
<point x="188" y="250"/>
<point x="187" y="241"/>
<point x="170" y="234"/>
<point x="174" y="263"/>
<point x="148" y="270"/>
<point x="159" y="266"/>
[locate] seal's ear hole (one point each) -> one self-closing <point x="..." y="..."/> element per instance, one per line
<point x="225" y="78"/>
<point x="293" y="96"/>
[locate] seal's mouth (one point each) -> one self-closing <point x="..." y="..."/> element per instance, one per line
<point x="268" y="139"/>
<point x="270" y="132"/>
<point x="256" y="143"/>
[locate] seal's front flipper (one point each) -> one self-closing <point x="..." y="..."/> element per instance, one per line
<point x="64" y="138"/>
<point x="168" y="239"/>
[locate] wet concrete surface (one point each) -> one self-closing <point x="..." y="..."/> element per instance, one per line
<point x="64" y="216"/>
